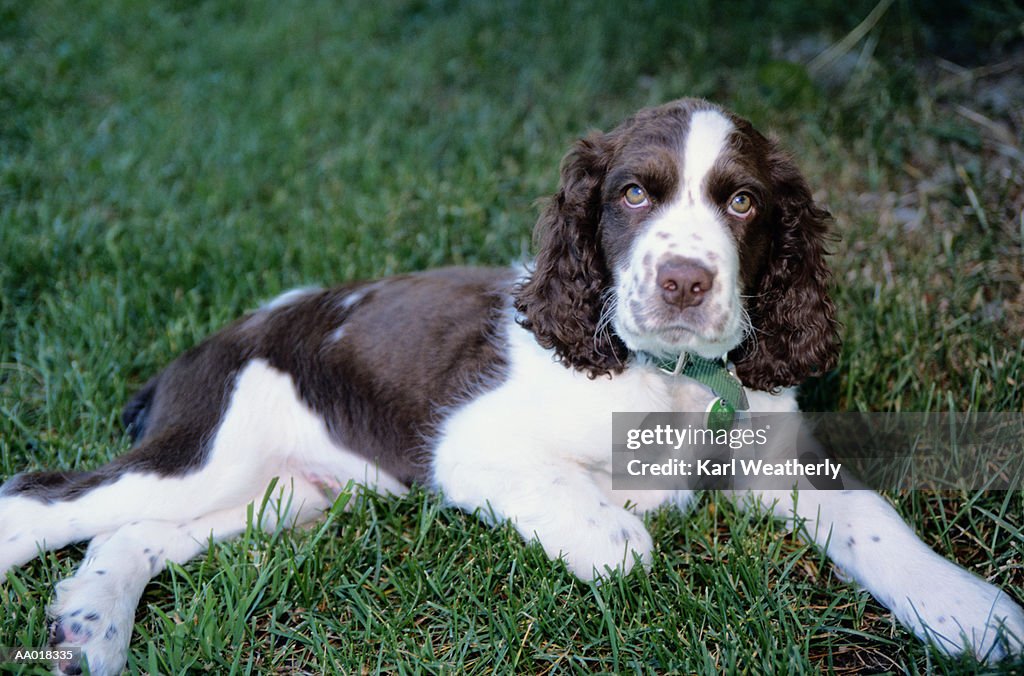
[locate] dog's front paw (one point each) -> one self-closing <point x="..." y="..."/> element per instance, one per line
<point x="90" y="613"/>
<point x="959" y="612"/>
<point x="594" y="544"/>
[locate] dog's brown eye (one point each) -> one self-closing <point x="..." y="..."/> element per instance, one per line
<point x="635" y="196"/>
<point x="741" y="204"/>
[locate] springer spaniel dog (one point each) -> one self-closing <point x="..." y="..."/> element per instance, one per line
<point x="682" y="232"/>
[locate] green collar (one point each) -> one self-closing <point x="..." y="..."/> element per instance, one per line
<point x="712" y="373"/>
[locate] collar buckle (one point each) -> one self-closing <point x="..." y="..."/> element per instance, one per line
<point x="714" y="374"/>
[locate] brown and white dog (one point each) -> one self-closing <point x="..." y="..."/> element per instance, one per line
<point x="682" y="231"/>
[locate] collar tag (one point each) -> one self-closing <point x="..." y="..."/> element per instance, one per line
<point x="721" y="415"/>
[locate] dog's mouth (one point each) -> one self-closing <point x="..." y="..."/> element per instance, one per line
<point x="679" y="339"/>
<point x="675" y="338"/>
<point x="711" y="323"/>
<point x="677" y="333"/>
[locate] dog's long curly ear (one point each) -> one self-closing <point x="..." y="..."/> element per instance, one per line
<point x="794" y="330"/>
<point x="561" y="301"/>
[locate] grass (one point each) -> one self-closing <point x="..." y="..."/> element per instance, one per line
<point x="165" y="166"/>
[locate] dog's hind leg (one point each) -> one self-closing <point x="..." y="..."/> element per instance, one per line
<point x="51" y="510"/>
<point x="95" y="609"/>
<point x="183" y="467"/>
<point x="48" y="510"/>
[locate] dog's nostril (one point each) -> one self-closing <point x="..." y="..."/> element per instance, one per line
<point x="684" y="282"/>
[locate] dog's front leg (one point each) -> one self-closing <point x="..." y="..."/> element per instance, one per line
<point x="555" y="503"/>
<point x="942" y="603"/>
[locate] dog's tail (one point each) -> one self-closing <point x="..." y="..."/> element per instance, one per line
<point x="51" y="486"/>
<point x="136" y="411"/>
<point x="44" y="486"/>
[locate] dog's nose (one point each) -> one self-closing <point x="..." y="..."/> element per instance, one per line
<point x="684" y="282"/>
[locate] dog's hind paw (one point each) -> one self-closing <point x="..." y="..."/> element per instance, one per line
<point x="88" y="614"/>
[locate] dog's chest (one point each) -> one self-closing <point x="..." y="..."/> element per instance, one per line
<point x="558" y="413"/>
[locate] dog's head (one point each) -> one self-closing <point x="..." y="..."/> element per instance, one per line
<point x="683" y="230"/>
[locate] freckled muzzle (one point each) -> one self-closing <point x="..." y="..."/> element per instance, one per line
<point x="674" y="303"/>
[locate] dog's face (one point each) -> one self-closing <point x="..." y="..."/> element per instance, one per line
<point x="683" y="216"/>
<point x="684" y="230"/>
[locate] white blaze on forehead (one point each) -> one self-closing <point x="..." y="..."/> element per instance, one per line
<point x="708" y="136"/>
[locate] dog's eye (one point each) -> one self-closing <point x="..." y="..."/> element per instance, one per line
<point x="741" y="204"/>
<point x="635" y="196"/>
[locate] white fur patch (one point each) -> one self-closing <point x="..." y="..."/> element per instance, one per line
<point x="709" y="133"/>
<point x="351" y="299"/>
<point x="288" y="297"/>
